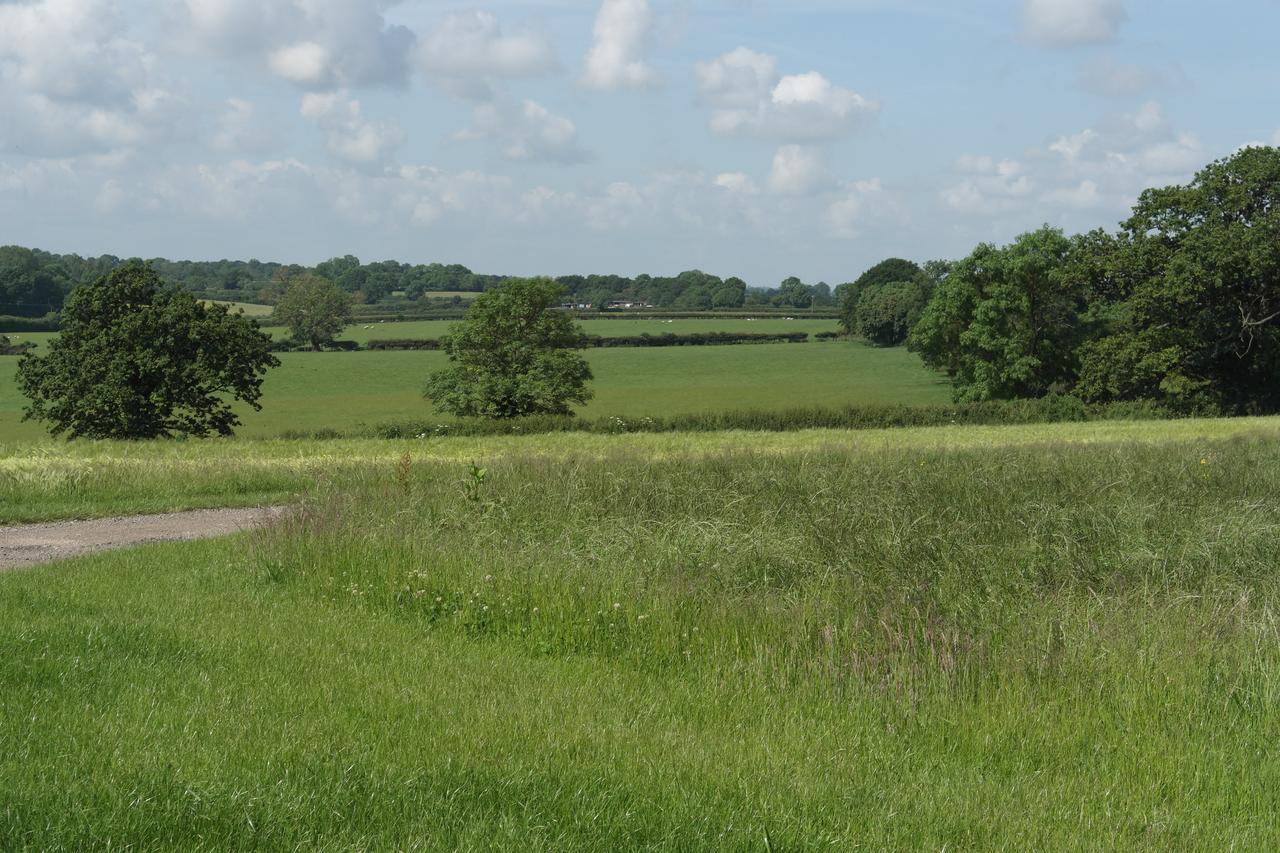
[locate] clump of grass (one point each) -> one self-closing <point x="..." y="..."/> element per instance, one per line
<point x="906" y="572"/>
<point x="1051" y="409"/>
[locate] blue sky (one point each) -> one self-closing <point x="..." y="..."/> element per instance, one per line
<point x="756" y="138"/>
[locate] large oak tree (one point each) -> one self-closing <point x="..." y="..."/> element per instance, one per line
<point x="138" y="359"/>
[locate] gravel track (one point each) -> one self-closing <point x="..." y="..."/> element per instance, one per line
<point x="31" y="544"/>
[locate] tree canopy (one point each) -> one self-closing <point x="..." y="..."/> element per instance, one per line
<point x="137" y="359"/>
<point x="885" y="313"/>
<point x="513" y="355"/>
<point x="1193" y="282"/>
<point x="314" y="308"/>
<point x="1006" y="320"/>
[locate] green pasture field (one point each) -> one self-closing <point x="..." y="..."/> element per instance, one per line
<point x="449" y="294"/>
<point x="346" y="391"/>
<point x="422" y="329"/>
<point x="40" y="339"/>
<point x="425" y="329"/>
<point x="1051" y="637"/>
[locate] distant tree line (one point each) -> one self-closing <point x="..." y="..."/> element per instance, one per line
<point x="35" y="283"/>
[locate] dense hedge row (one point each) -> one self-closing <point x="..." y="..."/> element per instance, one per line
<point x="693" y="339"/>
<point x="334" y="346"/>
<point x="761" y="313"/>
<point x="1051" y="409"/>
<point x="405" y="343"/>
<point x="697" y="339"/>
<point x="47" y="323"/>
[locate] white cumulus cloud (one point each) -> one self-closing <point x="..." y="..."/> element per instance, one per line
<point x="797" y="170"/>
<point x="527" y="131"/>
<point x="736" y="182"/>
<point x="74" y="79"/>
<point x="305" y="63"/>
<point x="1067" y="23"/>
<point x="616" y="59"/>
<point x="860" y="201"/>
<point x="748" y="95"/>
<point x="472" y="44"/>
<point x="316" y="44"/>
<point x="350" y="136"/>
<point x="989" y="185"/>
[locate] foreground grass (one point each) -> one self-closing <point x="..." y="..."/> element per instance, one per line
<point x="46" y="480"/>
<point x="1048" y="645"/>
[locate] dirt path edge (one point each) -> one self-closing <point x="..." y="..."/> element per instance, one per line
<point x="33" y="544"/>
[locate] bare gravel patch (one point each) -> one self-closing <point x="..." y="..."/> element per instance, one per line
<point x="31" y="544"/>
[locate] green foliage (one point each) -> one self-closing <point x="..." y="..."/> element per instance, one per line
<point x="513" y="356"/>
<point x="894" y="271"/>
<point x="47" y="323"/>
<point x="30" y="286"/>
<point x="138" y="360"/>
<point x="1006" y="321"/>
<point x="822" y="296"/>
<point x="885" y="313"/>
<point x="794" y="293"/>
<point x="315" y="309"/>
<point x="1191" y="287"/>
<point x="731" y="294"/>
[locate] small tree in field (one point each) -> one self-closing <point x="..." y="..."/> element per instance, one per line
<point x="315" y="309"/>
<point x="513" y="356"/>
<point x="136" y="359"/>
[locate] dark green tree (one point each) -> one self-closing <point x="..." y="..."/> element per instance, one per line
<point x="1191" y="287"/>
<point x="731" y="294"/>
<point x="31" y="284"/>
<point x="890" y="271"/>
<point x="513" y="356"/>
<point x="794" y="293"/>
<point x="886" y="312"/>
<point x="137" y="359"/>
<point x="1006" y="322"/>
<point x="315" y="309"/>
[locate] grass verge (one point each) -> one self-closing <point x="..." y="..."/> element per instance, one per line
<point x="47" y="480"/>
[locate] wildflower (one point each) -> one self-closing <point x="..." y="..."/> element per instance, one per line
<point x="1204" y="461"/>
<point x="617" y="606"/>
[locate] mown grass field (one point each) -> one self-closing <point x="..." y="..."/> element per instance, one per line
<point x="1008" y="637"/>
<point x="347" y="391"/>
<point x="419" y="329"/>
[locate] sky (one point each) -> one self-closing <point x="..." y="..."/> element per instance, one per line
<point x="757" y="138"/>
